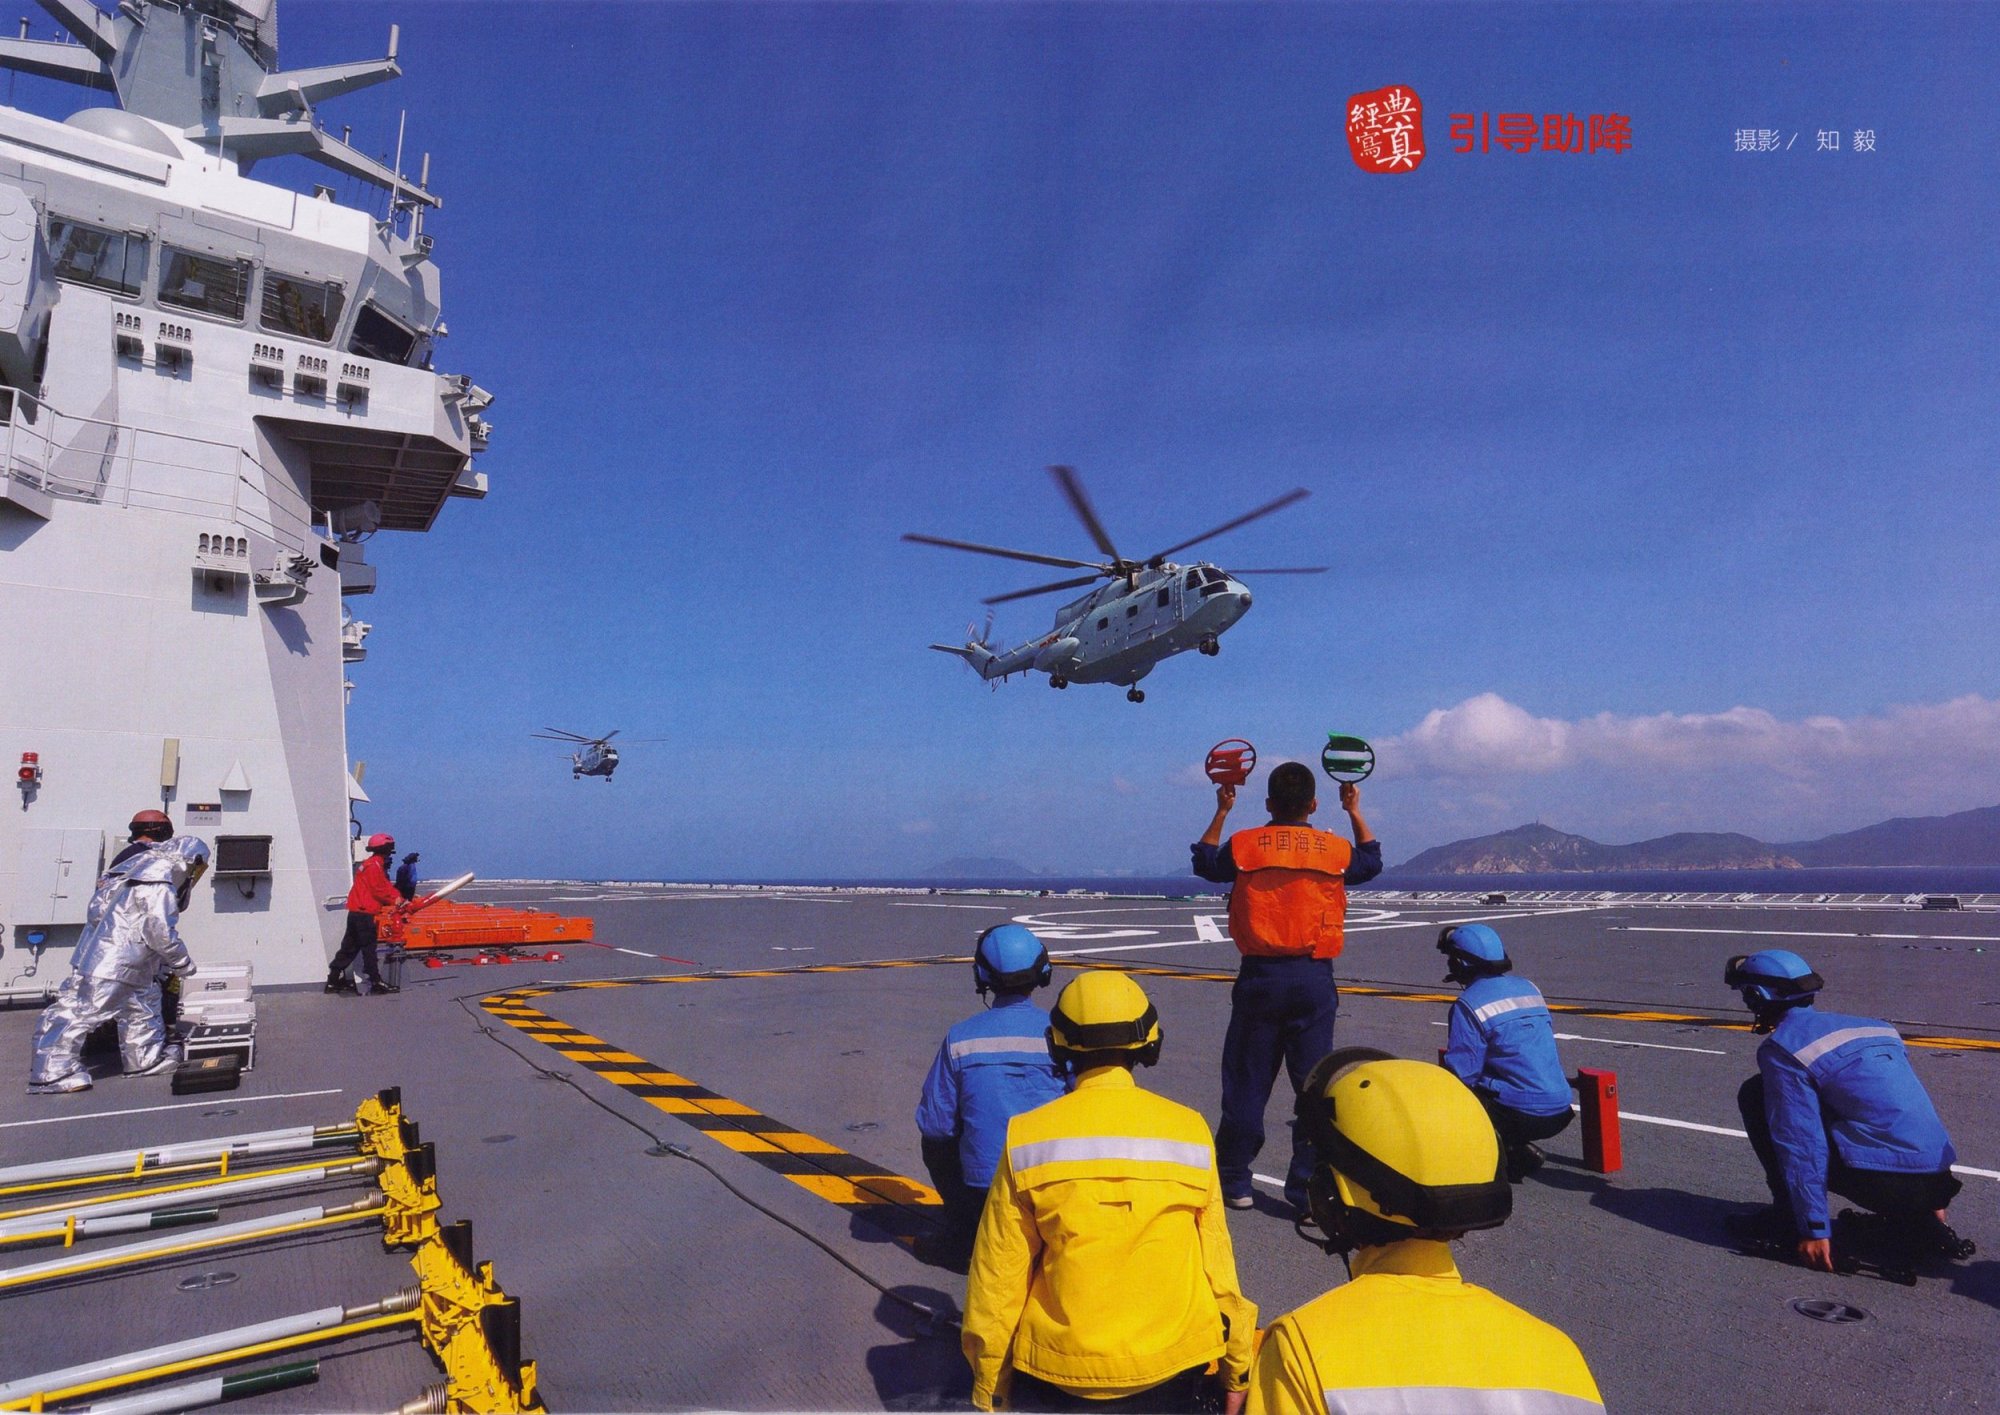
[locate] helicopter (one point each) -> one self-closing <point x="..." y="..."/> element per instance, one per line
<point x="1148" y="610"/>
<point x="597" y="757"/>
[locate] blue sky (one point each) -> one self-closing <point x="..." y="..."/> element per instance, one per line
<point x="1659" y="487"/>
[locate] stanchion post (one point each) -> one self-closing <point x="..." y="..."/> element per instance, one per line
<point x="1597" y="1093"/>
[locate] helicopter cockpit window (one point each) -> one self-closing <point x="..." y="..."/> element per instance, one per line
<point x="294" y="304"/>
<point x="206" y="283"/>
<point x="1194" y="579"/>
<point x="1216" y="582"/>
<point x="90" y="255"/>
<point x="1131" y="610"/>
<point x="1165" y="595"/>
<point x="376" y="336"/>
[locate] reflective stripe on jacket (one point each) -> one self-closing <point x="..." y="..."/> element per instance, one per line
<point x="1103" y="1263"/>
<point x="372" y="892"/>
<point x="989" y="1068"/>
<point x="1824" y="1071"/>
<point x="1289" y="899"/>
<point x="1408" y="1334"/>
<point x="1502" y="1040"/>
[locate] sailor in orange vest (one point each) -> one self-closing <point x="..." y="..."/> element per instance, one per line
<point x="1287" y="913"/>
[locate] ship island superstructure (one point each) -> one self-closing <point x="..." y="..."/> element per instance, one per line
<point x="213" y="390"/>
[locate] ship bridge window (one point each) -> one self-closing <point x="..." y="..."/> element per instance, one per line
<point x="295" y="305"/>
<point x="376" y="336"/>
<point x="91" y="255"/>
<point x="206" y="283"/>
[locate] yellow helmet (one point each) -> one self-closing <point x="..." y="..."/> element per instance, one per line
<point x="1103" y="1017"/>
<point x="1404" y="1150"/>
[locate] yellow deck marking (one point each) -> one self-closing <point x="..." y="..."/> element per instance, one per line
<point x="902" y="1207"/>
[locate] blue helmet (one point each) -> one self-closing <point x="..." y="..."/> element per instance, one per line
<point x="1775" y="977"/>
<point x="1473" y="951"/>
<point x="1009" y="958"/>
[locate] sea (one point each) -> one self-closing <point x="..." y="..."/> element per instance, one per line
<point x="1899" y="879"/>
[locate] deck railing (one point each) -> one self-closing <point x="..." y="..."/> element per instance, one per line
<point x="119" y="464"/>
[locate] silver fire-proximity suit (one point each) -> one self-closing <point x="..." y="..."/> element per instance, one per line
<point x="130" y="940"/>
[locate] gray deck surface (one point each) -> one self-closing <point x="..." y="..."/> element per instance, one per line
<point x="647" y="1284"/>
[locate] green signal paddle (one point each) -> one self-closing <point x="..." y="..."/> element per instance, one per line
<point x="1347" y="759"/>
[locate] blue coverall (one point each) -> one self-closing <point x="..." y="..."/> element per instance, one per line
<point x="989" y="1068"/>
<point x="1836" y="1105"/>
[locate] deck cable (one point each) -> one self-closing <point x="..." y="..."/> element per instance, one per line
<point x="940" y="1321"/>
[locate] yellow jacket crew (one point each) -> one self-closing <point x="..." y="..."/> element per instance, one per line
<point x="1102" y="1277"/>
<point x="1407" y="1162"/>
<point x="1287" y="917"/>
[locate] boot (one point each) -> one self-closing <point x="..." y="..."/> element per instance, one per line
<point x="76" y="1081"/>
<point x="340" y="982"/>
<point x="170" y="1057"/>
<point x="1523" y="1160"/>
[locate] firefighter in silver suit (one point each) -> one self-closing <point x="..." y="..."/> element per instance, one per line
<point x="131" y="940"/>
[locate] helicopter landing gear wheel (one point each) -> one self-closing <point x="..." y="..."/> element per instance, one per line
<point x="1133" y="695"/>
<point x="1056" y="680"/>
<point x="1210" y="647"/>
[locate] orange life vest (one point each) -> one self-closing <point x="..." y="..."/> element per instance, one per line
<point x="1289" y="899"/>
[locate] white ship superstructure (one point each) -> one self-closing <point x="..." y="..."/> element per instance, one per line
<point x="215" y="388"/>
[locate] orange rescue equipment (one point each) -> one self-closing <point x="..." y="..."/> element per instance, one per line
<point x="1289" y="899"/>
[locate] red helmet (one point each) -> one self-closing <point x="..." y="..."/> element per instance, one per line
<point x="381" y="842"/>
<point x="153" y="825"/>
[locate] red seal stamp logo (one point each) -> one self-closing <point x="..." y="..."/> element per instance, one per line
<point x="1385" y="129"/>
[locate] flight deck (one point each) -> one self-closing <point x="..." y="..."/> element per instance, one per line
<point x="688" y="1147"/>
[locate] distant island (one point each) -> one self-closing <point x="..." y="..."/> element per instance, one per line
<point x="1965" y="838"/>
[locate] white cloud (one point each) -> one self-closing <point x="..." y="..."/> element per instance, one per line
<point x="923" y="827"/>
<point x="1486" y="764"/>
<point x="1123" y="787"/>
<point x="1487" y="736"/>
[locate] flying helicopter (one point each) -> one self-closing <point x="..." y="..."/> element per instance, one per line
<point x="1146" y="611"/>
<point x="596" y="757"/>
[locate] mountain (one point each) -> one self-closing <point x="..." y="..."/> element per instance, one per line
<point x="1541" y="849"/>
<point x="1964" y="838"/>
<point x="979" y="867"/>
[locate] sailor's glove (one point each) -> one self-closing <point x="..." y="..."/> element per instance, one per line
<point x="182" y="969"/>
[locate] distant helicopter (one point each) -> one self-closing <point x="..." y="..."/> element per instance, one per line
<point x="1150" y="610"/>
<point x="597" y="757"/>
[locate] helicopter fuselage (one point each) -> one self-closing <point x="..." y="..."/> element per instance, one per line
<point x="1121" y="630"/>
<point x="594" y="761"/>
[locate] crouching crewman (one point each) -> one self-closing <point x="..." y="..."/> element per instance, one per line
<point x="1103" y="1278"/>
<point x="1835" y="1106"/>
<point x="1502" y="1043"/>
<point x="130" y="938"/>
<point x="1407" y="1161"/>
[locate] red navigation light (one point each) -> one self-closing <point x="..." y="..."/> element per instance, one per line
<point x="30" y="774"/>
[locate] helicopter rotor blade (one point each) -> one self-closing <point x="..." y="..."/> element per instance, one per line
<point x="1281" y="570"/>
<point x="600" y="741"/>
<point x="1043" y="589"/>
<point x="1079" y="502"/>
<point x="1296" y="494"/>
<point x="1055" y="560"/>
<point x="555" y="734"/>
